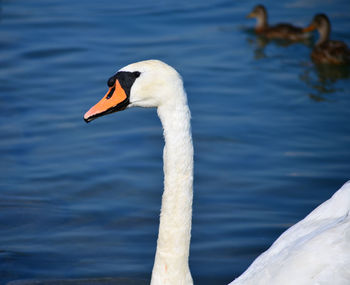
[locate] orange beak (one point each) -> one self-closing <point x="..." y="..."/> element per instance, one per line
<point x="114" y="100"/>
<point x="309" y="29"/>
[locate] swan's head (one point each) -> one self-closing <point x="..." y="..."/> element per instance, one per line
<point x="148" y="83"/>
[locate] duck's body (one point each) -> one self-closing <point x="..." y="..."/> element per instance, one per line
<point x="331" y="52"/>
<point x="282" y="31"/>
<point x="325" y="50"/>
<point x="314" y="251"/>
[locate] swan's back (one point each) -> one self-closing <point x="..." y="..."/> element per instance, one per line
<point x="314" y="251"/>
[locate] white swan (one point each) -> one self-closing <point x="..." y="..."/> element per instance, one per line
<point x="314" y="251"/>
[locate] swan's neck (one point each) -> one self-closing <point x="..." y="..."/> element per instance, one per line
<point x="171" y="260"/>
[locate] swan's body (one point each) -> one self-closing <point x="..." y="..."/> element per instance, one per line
<point x="314" y="251"/>
<point x="281" y="31"/>
<point x="326" y="50"/>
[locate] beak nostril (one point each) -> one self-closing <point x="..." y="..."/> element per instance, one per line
<point x="110" y="93"/>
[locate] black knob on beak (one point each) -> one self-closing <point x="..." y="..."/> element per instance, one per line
<point x="111" y="81"/>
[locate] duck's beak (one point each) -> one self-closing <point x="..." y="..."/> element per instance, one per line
<point x="309" y="28"/>
<point x="250" y="15"/>
<point x="114" y="100"/>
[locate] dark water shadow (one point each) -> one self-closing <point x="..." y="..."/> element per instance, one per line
<point x="90" y="281"/>
<point x="322" y="78"/>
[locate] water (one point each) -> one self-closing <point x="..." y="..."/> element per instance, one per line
<point x="271" y="134"/>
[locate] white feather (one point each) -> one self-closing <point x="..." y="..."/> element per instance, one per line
<point x="314" y="251"/>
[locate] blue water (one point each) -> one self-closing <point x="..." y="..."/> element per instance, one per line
<point x="271" y="134"/>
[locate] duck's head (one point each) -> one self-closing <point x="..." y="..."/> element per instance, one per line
<point x="322" y="24"/>
<point x="259" y="12"/>
<point x="145" y="84"/>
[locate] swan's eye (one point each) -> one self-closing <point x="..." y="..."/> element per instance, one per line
<point x="136" y="74"/>
<point x="110" y="93"/>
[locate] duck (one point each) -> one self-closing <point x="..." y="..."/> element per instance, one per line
<point x="325" y="50"/>
<point x="314" y="251"/>
<point x="281" y="31"/>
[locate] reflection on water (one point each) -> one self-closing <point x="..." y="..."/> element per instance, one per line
<point x="322" y="78"/>
<point x="259" y="43"/>
<point x="331" y="73"/>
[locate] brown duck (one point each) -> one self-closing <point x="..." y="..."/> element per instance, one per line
<point x="280" y="31"/>
<point x="325" y="50"/>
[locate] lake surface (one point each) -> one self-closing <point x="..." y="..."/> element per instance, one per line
<point x="271" y="133"/>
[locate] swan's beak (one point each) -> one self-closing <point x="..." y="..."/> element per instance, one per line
<point x="309" y="28"/>
<point x="114" y="100"/>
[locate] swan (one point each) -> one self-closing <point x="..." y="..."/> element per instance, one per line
<point x="314" y="251"/>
